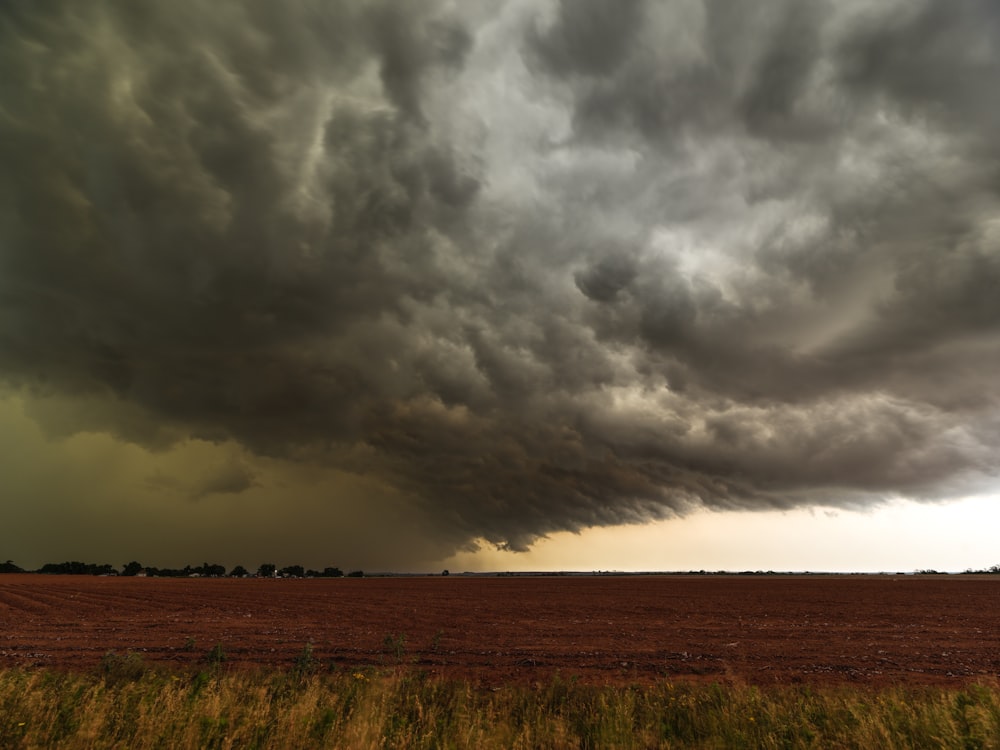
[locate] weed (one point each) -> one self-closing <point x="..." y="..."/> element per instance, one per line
<point x="436" y="642"/>
<point x="306" y="663"/>
<point x="395" y="645"/>
<point x="216" y="656"/>
<point x="198" y="682"/>
<point x="129" y="666"/>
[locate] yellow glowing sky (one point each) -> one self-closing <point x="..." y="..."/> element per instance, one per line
<point x="901" y="536"/>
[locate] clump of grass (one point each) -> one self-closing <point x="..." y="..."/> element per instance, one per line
<point x="216" y="656"/>
<point x="436" y="642"/>
<point x="395" y="645"/>
<point x="402" y="709"/>
<point x="124" y="667"/>
<point x="306" y="663"/>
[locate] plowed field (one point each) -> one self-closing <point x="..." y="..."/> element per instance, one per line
<point x="874" y="630"/>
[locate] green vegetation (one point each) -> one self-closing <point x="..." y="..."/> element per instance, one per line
<point x="76" y="568"/>
<point x="306" y="663"/>
<point x="216" y="656"/>
<point x="395" y="646"/>
<point x="205" y="570"/>
<point x="126" y="704"/>
<point x="132" y="569"/>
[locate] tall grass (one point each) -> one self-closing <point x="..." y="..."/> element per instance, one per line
<point x="127" y="707"/>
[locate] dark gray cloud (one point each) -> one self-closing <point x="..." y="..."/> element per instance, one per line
<point x="538" y="268"/>
<point x="591" y="37"/>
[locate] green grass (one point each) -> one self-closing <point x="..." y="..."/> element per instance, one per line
<point x="125" y="704"/>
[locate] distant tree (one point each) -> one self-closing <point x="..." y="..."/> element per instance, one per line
<point x="356" y="574"/>
<point x="238" y="572"/>
<point x="76" y="568"/>
<point x="211" y="570"/>
<point x="445" y="572"/>
<point x="267" y="570"/>
<point x="10" y="567"/>
<point x="293" y="571"/>
<point x="333" y="573"/>
<point x="132" y="569"/>
<point x="64" y="569"/>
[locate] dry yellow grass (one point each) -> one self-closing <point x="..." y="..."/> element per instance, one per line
<point x="129" y="706"/>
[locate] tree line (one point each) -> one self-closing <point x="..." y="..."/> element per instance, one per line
<point x="205" y="570"/>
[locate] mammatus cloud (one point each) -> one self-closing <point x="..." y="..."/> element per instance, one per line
<point x="537" y="267"/>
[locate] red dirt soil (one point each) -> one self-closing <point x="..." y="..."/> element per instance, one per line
<point x="867" y="630"/>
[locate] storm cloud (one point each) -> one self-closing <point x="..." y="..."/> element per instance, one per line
<point x="537" y="267"/>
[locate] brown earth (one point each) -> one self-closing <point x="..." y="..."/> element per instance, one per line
<point x="868" y="630"/>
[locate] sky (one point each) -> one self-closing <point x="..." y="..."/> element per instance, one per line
<point x="578" y="284"/>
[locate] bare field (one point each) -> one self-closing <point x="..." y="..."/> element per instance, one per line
<point x="862" y="630"/>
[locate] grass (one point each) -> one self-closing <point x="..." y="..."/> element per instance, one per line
<point x="123" y="705"/>
<point x="395" y="645"/>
